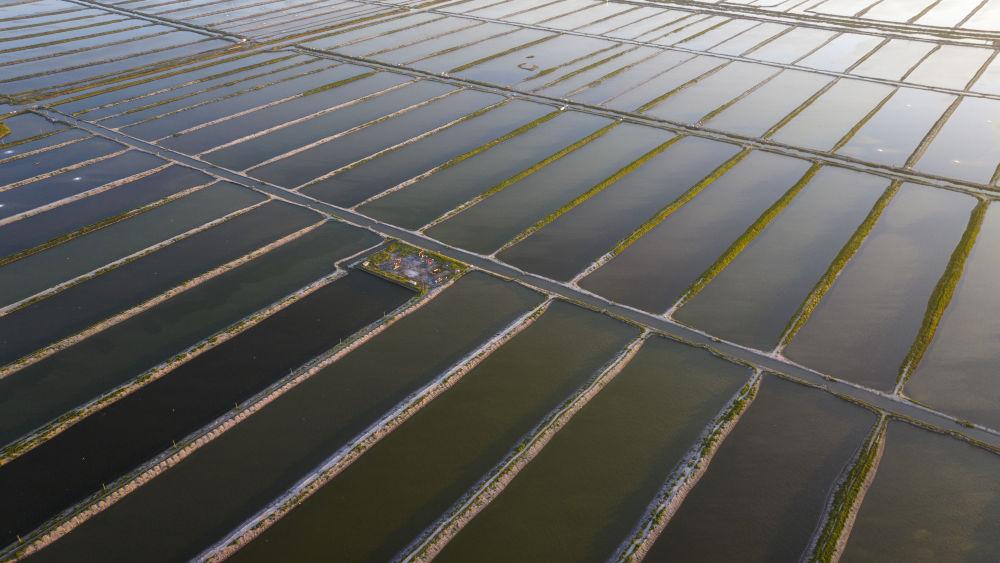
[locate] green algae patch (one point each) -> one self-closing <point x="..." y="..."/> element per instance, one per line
<point x="846" y="500"/>
<point x="4" y="130"/>
<point x="943" y="292"/>
<point x="413" y="267"/>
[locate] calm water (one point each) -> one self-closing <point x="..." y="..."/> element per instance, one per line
<point x="654" y="272"/>
<point x="103" y="447"/>
<point x="958" y="373"/>
<point x="213" y="491"/>
<point x="890" y="278"/>
<point x="578" y="500"/>
<point x="64" y="380"/>
<point x="404" y="483"/>
<point x="754" y="298"/>
<point x="955" y="516"/>
<point x="764" y="492"/>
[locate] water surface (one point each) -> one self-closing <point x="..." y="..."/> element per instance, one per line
<point x="586" y="490"/>
<point x="934" y="498"/>
<point x="234" y="476"/>
<point x="890" y="279"/>
<point x="765" y="491"/>
<point x="382" y="501"/>
<point x="654" y="271"/>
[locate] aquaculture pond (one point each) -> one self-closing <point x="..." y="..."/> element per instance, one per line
<point x="494" y="280"/>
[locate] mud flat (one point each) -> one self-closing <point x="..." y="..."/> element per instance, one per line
<point x="892" y="277"/>
<point x="580" y="497"/>
<point x="382" y="501"/>
<point x="766" y="489"/>
<point x="210" y="493"/>
<point x="102" y="448"/>
<point x="41" y="392"/>
<point x="934" y="498"/>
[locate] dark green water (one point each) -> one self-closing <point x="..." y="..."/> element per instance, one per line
<point x="890" y="280"/>
<point x="934" y="498"/>
<point x="580" y="498"/>
<point x="766" y="488"/>
<point x="228" y="480"/>
<point x="406" y="481"/>
<point x="39" y="393"/>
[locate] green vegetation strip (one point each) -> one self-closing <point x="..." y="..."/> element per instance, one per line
<point x="943" y="292"/>
<point x="848" y="497"/>
<point x="96" y="226"/>
<point x="846" y="253"/>
<point x="526" y="172"/>
<point x="177" y="73"/>
<point x="467" y="66"/>
<point x="748" y="236"/>
<point x="336" y="84"/>
<point x="580" y="70"/>
<point x="522" y="129"/>
<point x="657" y="100"/>
<point x="574" y="61"/>
<point x="69" y="39"/>
<point x="66" y="89"/>
<point x="624" y="171"/>
<point x="662" y="214"/>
